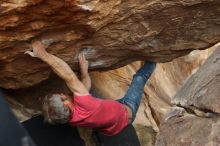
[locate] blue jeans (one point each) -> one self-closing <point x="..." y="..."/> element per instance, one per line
<point x="134" y="94"/>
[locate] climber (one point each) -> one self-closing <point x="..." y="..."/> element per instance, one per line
<point x="108" y="116"/>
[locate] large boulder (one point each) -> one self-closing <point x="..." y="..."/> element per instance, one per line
<point x="202" y="90"/>
<point x="199" y="124"/>
<point x="156" y="101"/>
<point x="162" y="86"/>
<point x="111" y="33"/>
<point x="164" y="83"/>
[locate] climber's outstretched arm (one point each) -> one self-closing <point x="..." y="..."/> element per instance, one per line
<point x="85" y="77"/>
<point x="60" y="67"/>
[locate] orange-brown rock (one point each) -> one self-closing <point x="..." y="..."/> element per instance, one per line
<point x="111" y="33"/>
<point x="162" y="86"/>
<point x="160" y="89"/>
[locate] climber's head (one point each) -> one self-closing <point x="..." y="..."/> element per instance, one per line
<point x="57" y="109"/>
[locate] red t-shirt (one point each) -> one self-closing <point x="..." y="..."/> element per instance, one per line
<point x="109" y="116"/>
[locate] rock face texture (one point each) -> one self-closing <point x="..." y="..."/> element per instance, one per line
<point x="189" y="130"/>
<point x="199" y="124"/>
<point x="111" y="33"/>
<point x="160" y="89"/>
<point x="162" y="86"/>
<point x="156" y="101"/>
<point x="202" y="89"/>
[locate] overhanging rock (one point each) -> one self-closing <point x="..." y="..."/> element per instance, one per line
<point x="111" y="33"/>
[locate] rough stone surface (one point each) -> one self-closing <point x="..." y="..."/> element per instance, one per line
<point x="189" y="130"/>
<point x="146" y="135"/>
<point x="162" y="86"/>
<point x="199" y="123"/>
<point x="201" y="91"/>
<point x="111" y="33"/>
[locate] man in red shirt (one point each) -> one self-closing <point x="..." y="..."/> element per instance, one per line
<point x="108" y="116"/>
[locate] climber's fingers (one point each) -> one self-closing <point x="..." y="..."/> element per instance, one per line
<point x="80" y="57"/>
<point x="83" y="57"/>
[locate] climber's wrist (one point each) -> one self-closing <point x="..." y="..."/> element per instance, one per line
<point x="44" y="56"/>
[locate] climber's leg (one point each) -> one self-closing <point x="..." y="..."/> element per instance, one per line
<point x="135" y="91"/>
